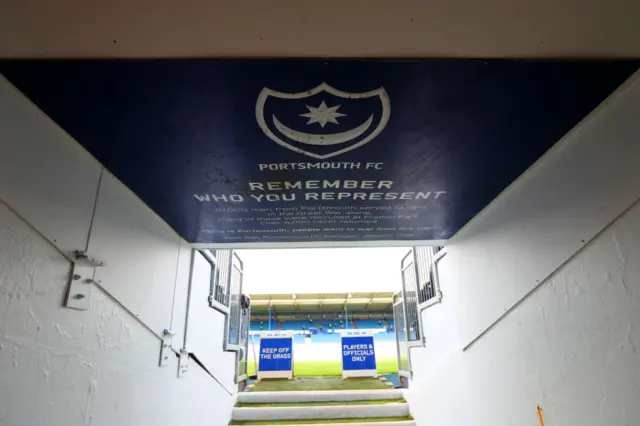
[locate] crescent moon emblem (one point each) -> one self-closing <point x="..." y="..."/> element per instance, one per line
<point x="329" y="139"/>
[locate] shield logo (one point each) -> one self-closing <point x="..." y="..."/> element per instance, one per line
<point x="322" y="122"/>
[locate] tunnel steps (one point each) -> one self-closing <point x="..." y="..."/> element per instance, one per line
<point x="314" y="396"/>
<point x="360" y="407"/>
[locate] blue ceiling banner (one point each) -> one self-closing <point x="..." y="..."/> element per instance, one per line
<point x="255" y="151"/>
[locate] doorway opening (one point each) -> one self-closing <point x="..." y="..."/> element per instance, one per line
<point x="325" y="314"/>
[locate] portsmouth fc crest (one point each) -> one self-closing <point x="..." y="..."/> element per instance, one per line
<point x="322" y="122"/>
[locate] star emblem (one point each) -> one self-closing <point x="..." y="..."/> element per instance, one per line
<point x="323" y="114"/>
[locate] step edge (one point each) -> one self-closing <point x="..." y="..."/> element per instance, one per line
<point x="328" y="391"/>
<point x="333" y="407"/>
<point x="320" y="403"/>
<point x="385" y="423"/>
<point x="365" y="395"/>
<point x="320" y="413"/>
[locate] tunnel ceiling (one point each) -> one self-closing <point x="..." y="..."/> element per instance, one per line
<point x="331" y="28"/>
<point x="295" y="151"/>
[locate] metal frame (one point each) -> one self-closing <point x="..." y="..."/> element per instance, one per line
<point x="436" y="281"/>
<point x="230" y="347"/>
<point x="216" y="263"/>
<point x="83" y="270"/>
<point x="400" y="301"/>
<point x="165" y="348"/>
<point x="421" y="340"/>
<point x="401" y="298"/>
<point x="236" y="266"/>
<point x="246" y="333"/>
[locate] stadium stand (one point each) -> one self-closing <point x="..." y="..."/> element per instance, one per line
<point x="322" y="313"/>
<point x="323" y="326"/>
<point x="319" y="320"/>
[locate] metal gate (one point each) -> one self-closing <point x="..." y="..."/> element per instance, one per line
<point x="406" y="313"/>
<point x="242" y="355"/>
<point x="412" y="317"/>
<point x="234" y="318"/>
<point x="220" y="291"/>
<point x="404" y="363"/>
<point x="236" y="333"/>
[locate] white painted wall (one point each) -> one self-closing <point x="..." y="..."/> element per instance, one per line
<point x="44" y="173"/>
<point x="141" y="251"/>
<point x="541" y="292"/>
<point x="100" y="367"/>
<point x="64" y="367"/>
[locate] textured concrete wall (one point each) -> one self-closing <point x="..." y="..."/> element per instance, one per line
<point x="541" y="292"/>
<point x="572" y="346"/>
<point x="100" y="367"/>
<point x="64" y="367"/>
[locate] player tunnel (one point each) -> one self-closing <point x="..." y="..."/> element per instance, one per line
<point x="128" y="190"/>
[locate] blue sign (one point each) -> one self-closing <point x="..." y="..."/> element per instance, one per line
<point x="246" y="151"/>
<point x="276" y="354"/>
<point x="358" y="353"/>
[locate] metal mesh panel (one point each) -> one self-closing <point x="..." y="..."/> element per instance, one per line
<point x="424" y="265"/>
<point x="220" y="280"/>
<point x="401" y="337"/>
<point x="243" y="353"/>
<point x="410" y="296"/>
<point x="235" y="310"/>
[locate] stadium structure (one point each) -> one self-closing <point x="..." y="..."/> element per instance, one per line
<point x="317" y="321"/>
